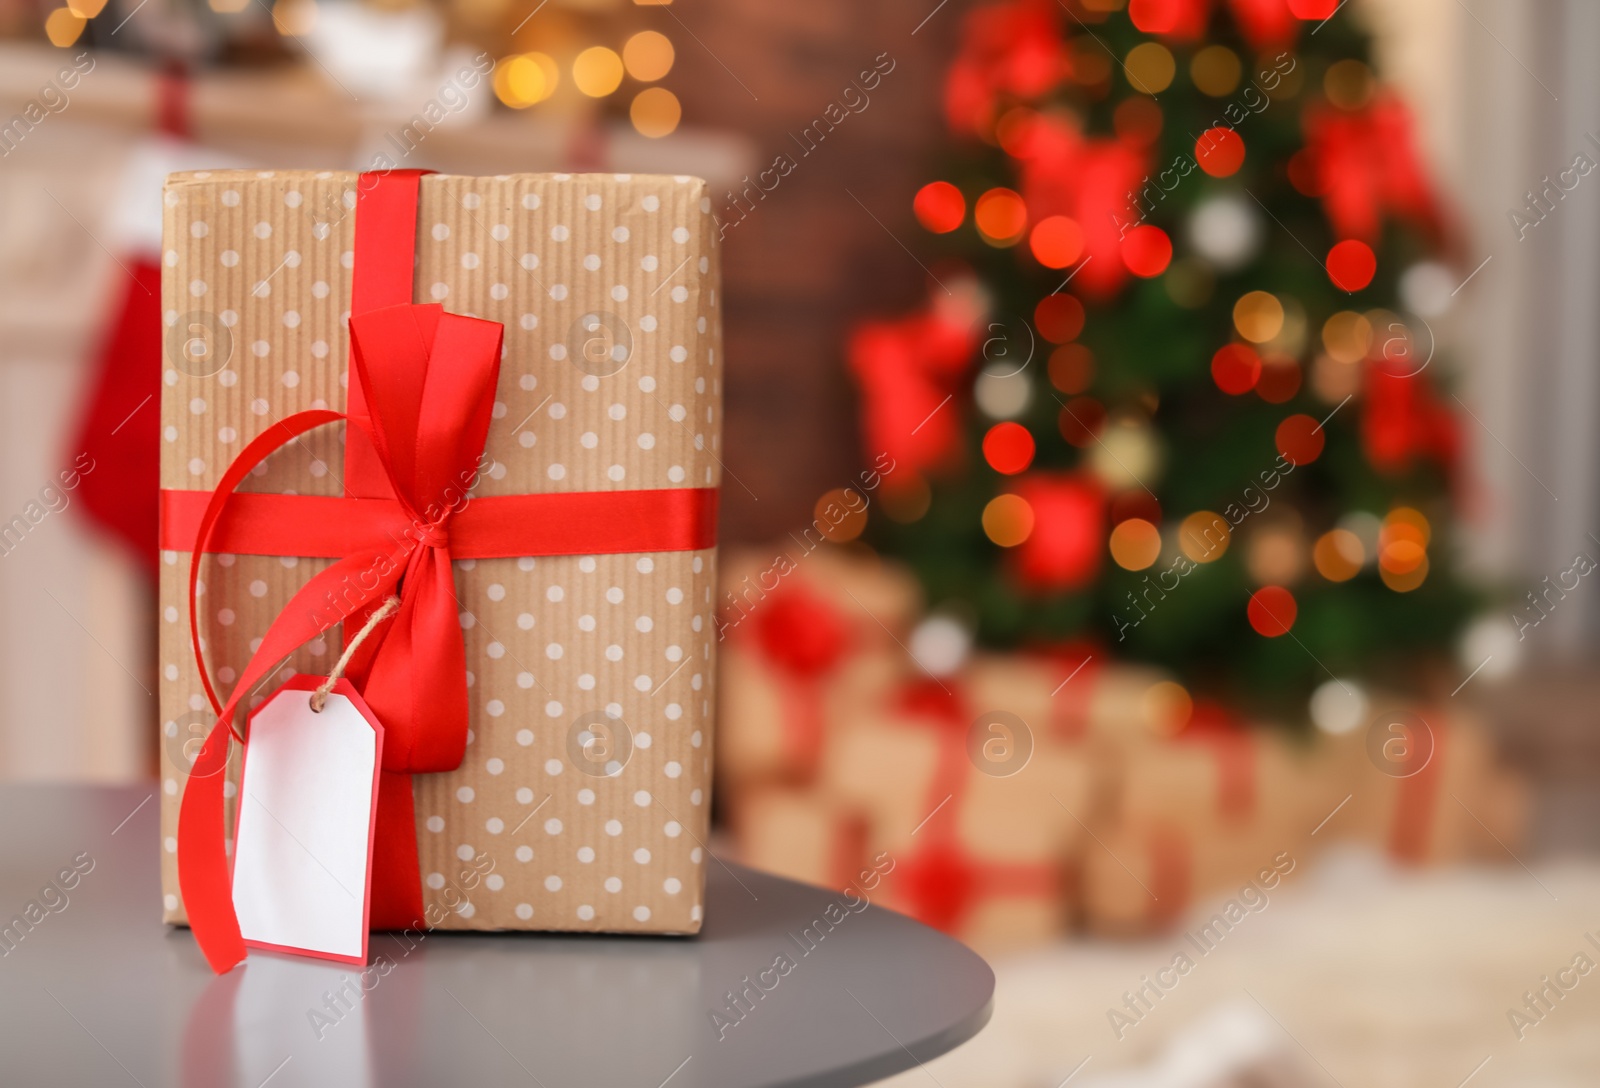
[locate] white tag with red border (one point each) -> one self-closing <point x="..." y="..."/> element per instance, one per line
<point x="308" y="798"/>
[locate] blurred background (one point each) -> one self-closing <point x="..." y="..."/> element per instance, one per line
<point x="1160" y="429"/>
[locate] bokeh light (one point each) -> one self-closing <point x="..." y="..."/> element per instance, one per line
<point x="648" y="55"/>
<point x="939" y="207"/>
<point x="1279" y="380"/>
<point x="522" y="81"/>
<point x="62" y="26"/>
<point x="1056" y="241"/>
<point x="1001" y="217"/>
<point x="1081" y="421"/>
<point x="1258" y="316"/>
<point x="1135" y="544"/>
<point x="1300" y="439"/>
<point x="1008" y="520"/>
<point x="1059" y="318"/>
<point x="655" y="112"/>
<point x="841" y="514"/>
<point x="1147" y="251"/>
<point x="1071" y="368"/>
<point x="1204" y="536"/>
<point x="1008" y="448"/>
<point x="1347" y="336"/>
<point x="1351" y="264"/>
<point x="1220" y="152"/>
<point x="1272" y="611"/>
<point x="597" y="71"/>
<point x="1235" y="368"/>
<point x="1168" y="707"/>
<point x="1338" y="555"/>
<point x="1216" y="71"/>
<point x="1150" y="67"/>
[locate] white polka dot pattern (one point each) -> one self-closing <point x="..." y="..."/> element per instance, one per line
<point x="588" y="676"/>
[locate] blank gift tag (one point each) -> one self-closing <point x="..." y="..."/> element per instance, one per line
<point x="308" y="796"/>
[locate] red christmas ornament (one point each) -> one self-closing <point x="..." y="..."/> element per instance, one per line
<point x="907" y="368"/>
<point x="1401" y="420"/>
<point x="1010" y="50"/>
<point x="1089" y="181"/>
<point x="1367" y="166"/>
<point x="1069" y="529"/>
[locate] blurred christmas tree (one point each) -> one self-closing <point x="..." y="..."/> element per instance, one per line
<point x="1174" y="393"/>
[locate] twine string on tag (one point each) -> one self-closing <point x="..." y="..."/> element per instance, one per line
<point x="319" y="698"/>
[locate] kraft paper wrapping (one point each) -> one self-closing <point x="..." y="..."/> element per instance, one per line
<point x="607" y="286"/>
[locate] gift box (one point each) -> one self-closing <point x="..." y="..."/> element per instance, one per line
<point x="806" y="635"/>
<point x="1143" y="876"/>
<point x="804" y="834"/>
<point x="1424" y="786"/>
<point x="550" y="757"/>
<point x="1073" y="695"/>
<point x="980" y="819"/>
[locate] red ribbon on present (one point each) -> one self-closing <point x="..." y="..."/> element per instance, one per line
<point x="803" y="638"/>
<point x="420" y="396"/>
<point x="1233" y="748"/>
<point x="943" y="880"/>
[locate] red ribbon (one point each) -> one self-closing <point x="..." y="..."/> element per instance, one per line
<point x="943" y="880"/>
<point x="421" y="390"/>
<point x="804" y="638"/>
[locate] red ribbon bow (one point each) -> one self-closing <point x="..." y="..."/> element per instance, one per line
<point x="429" y="378"/>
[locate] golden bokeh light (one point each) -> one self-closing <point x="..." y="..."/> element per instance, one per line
<point x="63" y="26"/>
<point x="1275" y="553"/>
<point x="1008" y="520"/>
<point x="840" y="515"/>
<point x="1347" y="336"/>
<point x="86" y="9"/>
<point x="906" y="497"/>
<point x="1150" y="67"/>
<point x="294" y="17"/>
<point x="648" y="56"/>
<point x="1405" y="581"/>
<point x="1258" y="316"/>
<point x="1348" y="84"/>
<point x="1216" y="70"/>
<point x="1204" y="536"/>
<point x="655" y="112"/>
<point x="1167" y="708"/>
<point x="1338" y="555"/>
<point x="1135" y="544"/>
<point x="597" y="71"/>
<point x="524" y="80"/>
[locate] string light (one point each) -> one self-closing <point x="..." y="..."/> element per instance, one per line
<point x="939" y="207"/>
<point x="1272" y="611"/>
<point x="1008" y="520"/>
<point x="648" y="56"/>
<point x="1135" y="544"/>
<point x="1258" y="316"/>
<point x="1150" y="67"/>
<point x="1001" y="217"/>
<point x="525" y="80"/>
<point x="62" y="26"/>
<point x="655" y="112"/>
<point x="1351" y="264"/>
<point x="597" y="71"/>
<point x="1056" y="241"/>
<point x="1204" y="536"/>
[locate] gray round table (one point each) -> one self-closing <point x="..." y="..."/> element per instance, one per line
<point x="99" y="991"/>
